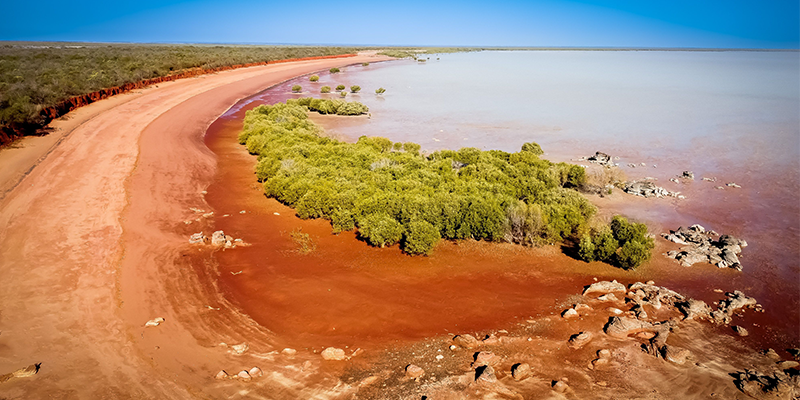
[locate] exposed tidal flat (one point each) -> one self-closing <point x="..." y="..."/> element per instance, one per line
<point x="732" y="116"/>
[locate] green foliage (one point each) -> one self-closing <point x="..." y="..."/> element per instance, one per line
<point x="334" y="70"/>
<point x="339" y="88"/>
<point x="355" y="88"/>
<point x="622" y="243"/>
<point x="420" y="237"/>
<point x="325" y="89"/>
<point x="380" y="229"/>
<point x="343" y="94"/>
<point x="313" y="78"/>
<point x="533" y="148"/>
<point x="34" y="76"/>
<point x="380" y="90"/>
<point x="296" y="89"/>
<point x="391" y="193"/>
<point x="364" y="64"/>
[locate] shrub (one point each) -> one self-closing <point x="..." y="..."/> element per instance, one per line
<point x="296" y="88"/>
<point x="303" y="241"/>
<point x="420" y="237"/>
<point x="325" y="89"/>
<point x="313" y="78"/>
<point x="380" y="90"/>
<point x="334" y="70"/>
<point x="605" y="245"/>
<point x="339" y="88"/>
<point x="586" y="249"/>
<point x="355" y="88"/>
<point x="364" y="64"/>
<point x="380" y="230"/>
<point x="633" y="254"/>
<point x="533" y="148"/>
<point x="342" y="93"/>
<point x="622" y="243"/>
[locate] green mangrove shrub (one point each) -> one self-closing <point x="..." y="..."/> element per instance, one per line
<point x="334" y="70"/>
<point x="364" y="64"/>
<point x="339" y="88"/>
<point x="325" y="89"/>
<point x="391" y="194"/>
<point x="355" y="89"/>
<point x="380" y="90"/>
<point x="296" y="88"/>
<point x="313" y="78"/>
<point x="342" y="93"/>
<point x="621" y="243"/>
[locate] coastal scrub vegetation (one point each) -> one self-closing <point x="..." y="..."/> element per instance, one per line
<point x="339" y="88"/>
<point x="313" y="78"/>
<point x="334" y="70"/>
<point x="297" y="89"/>
<point x="325" y="89"/>
<point x="622" y="243"/>
<point x="390" y="193"/>
<point x="364" y="64"/>
<point x="380" y="90"/>
<point x="355" y="89"/>
<point x="36" y="76"/>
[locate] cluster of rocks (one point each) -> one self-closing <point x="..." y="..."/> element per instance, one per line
<point x="600" y="158"/>
<point x="701" y="246"/>
<point x="781" y="384"/>
<point x="243" y="375"/>
<point x="218" y="239"/>
<point x="646" y="188"/>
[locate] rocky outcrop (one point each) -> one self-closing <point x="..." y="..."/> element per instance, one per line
<point x="414" y="372"/>
<point x="702" y="247"/>
<point x="646" y="188"/>
<point x="604" y="287"/>
<point x="733" y="303"/>
<point x="579" y="340"/>
<point x="601" y="158"/>
<point x="218" y="239"/>
<point x="465" y="341"/>
<point x="333" y="354"/>
<point x="779" y="385"/>
<point x="520" y="371"/>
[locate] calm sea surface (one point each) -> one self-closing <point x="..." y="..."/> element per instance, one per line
<point x="733" y="116"/>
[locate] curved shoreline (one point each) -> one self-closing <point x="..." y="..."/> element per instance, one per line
<point x="89" y="245"/>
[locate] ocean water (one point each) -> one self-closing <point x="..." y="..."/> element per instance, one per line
<point x="730" y="116"/>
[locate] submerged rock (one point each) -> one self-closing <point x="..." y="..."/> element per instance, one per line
<point x="701" y="247"/>
<point x="645" y="188"/>
<point x="733" y="303"/>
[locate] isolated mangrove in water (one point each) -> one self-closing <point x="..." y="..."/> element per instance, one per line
<point x="313" y="78"/>
<point x="392" y="194"/>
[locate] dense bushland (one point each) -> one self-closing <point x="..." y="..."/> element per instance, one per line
<point x="622" y="243"/>
<point x="35" y="76"/>
<point x="393" y="194"/>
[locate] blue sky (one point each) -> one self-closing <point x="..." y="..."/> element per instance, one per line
<point x="597" y="23"/>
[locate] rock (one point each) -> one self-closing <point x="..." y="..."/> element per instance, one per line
<point x="608" y="297"/>
<point x="740" y="330"/>
<point x="484" y="358"/>
<point x="580" y="308"/>
<point x="645" y="188"/>
<point x="569" y="313"/>
<point x="155" y="322"/>
<point x="760" y="386"/>
<point x="560" y="386"/>
<point x="772" y="355"/>
<point x="733" y="303"/>
<point x="244" y="375"/>
<point x="255" y="372"/>
<point x="701" y="247"/>
<point x="694" y="309"/>
<point x="604" y="287"/>
<point x="732" y="184"/>
<point x="334" y="354"/>
<point x="288" y="352"/>
<point x="198" y="238"/>
<point x="485" y="374"/>
<point x="221" y="375"/>
<point x="675" y="355"/>
<point x="520" y="371"/>
<point x="613" y="310"/>
<point x="239" y="348"/>
<point x="26" y="372"/>
<point x="218" y="238"/>
<point x="414" y="372"/>
<point x="579" y="340"/>
<point x="795" y="353"/>
<point x="490" y="340"/>
<point x="601" y="158"/>
<point x="788" y="364"/>
<point x="604" y="354"/>
<point x="687" y="175"/>
<point x="465" y="341"/>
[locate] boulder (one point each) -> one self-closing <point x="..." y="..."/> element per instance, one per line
<point x="485" y="374"/>
<point x="520" y="371"/>
<point x="761" y="386"/>
<point x="465" y="341"/>
<point x="289" y="352"/>
<point x="622" y="327"/>
<point x="239" y="348"/>
<point x="244" y="375"/>
<point x="604" y="287"/>
<point x="414" y="372"/>
<point x="741" y="331"/>
<point x="608" y="297"/>
<point x="484" y="358"/>
<point x="255" y="372"/>
<point x="218" y="238"/>
<point x="155" y="322"/>
<point x="333" y="354"/>
<point x="733" y="303"/>
<point x="675" y="355"/>
<point x="694" y="309"/>
<point x="560" y="386"/>
<point x="579" y="340"/>
<point x="198" y="238"/>
<point x="701" y="247"/>
<point x="221" y="375"/>
<point x="569" y="313"/>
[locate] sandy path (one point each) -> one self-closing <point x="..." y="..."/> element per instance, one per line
<point x="90" y="249"/>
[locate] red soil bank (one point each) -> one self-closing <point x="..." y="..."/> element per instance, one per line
<point x="13" y="131"/>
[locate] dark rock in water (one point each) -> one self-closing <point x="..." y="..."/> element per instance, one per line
<point x="741" y="331"/>
<point x="694" y="309"/>
<point x="733" y="303"/>
<point x="601" y="158"/>
<point x="647" y="188"/>
<point x="688" y="175"/>
<point x="701" y="247"/>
